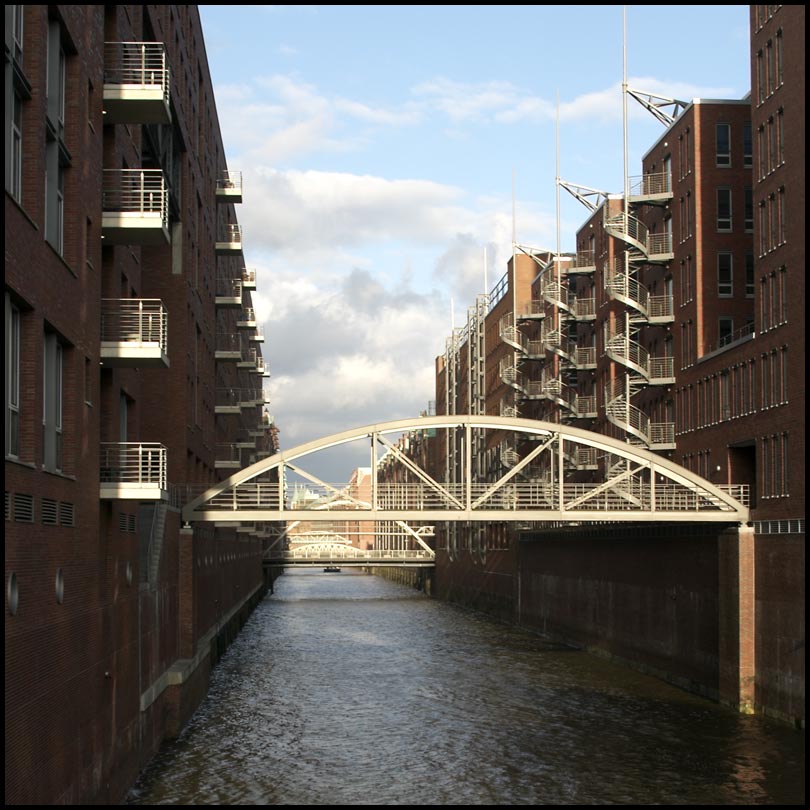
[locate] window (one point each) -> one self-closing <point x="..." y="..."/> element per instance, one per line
<point x="56" y="153"/>
<point x="12" y="379"/>
<point x="779" y="151"/>
<point x="749" y="209"/>
<point x="723" y="209"/>
<point x="54" y="197"/>
<point x="779" y="64"/>
<point x="762" y="140"/>
<point x="748" y="145"/>
<point x="763" y="229"/>
<point x="725" y="330"/>
<point x="781" y="236"/>
<point x="14" y="162"/>
<point x="17" y="90"/>
<point x="723" y="135"/>
<point x="725" y="285"/>
<point x="749" y="273"/>
<point x="52" y="403"/>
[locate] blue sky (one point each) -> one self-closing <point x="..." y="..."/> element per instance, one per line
<point x="378" y="146"/>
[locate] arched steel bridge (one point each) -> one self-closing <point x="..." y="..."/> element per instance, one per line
<point x="534" y="482"/>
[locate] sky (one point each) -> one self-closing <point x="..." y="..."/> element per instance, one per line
<point x="384" y="149"/>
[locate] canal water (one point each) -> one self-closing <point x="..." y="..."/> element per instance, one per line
<point x="350" y="689"/>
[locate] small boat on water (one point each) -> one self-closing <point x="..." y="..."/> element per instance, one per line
<point x="331" y="569"/>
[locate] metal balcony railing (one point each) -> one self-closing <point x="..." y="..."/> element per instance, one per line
<point x="231" y="241"/>
<point x="137" y="63"/>
<point x="135" y="205"/>
<point x="136" y="191"/>
<point x="133" y="469"/>
<point x="658" y="184"/>
<point x="134" y="321"/>
<point x="229" y="187"/>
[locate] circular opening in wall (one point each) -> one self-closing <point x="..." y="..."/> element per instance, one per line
<point x="129" y="573"/>
<point x="59" y="586"/>
<point x="13" y="594"/>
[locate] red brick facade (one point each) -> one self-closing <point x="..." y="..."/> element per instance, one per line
<point x="694" y="305"/>
<point x="113" y="613"/>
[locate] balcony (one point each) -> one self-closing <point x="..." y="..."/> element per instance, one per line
<point x="136" y="83"/>
<point x="228" y="457"/>
<point x="229" y="293"/>
<point x="651" y="188"/>
<point x="231" y="243"/>
<point x="248" y="279"/>
<point x="258" y="335"/>
<point x="228" y="401"/>
<point x="135" y="207"/>
<point x="229" y="347"/>
<point x="229" y="187"/>
<point x="134" y="333"/>
<point x="247" y="320"/>
<point x="133" y="471"/>
<point x="584" y="262"/>
<point x="248" y="360"/>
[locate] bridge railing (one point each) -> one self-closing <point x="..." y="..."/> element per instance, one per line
<point x="541" y="495"/>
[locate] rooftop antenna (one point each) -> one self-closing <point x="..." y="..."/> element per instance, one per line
<point x="452" y="314"/>
<point x="624" y="118"/>
<point x="514" y="227"/>
<point x="557" y="178"/>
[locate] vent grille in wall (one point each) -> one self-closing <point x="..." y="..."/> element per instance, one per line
<point x="23" y="508"/>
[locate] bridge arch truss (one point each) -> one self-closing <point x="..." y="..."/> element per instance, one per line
<point x="555" y="473"/>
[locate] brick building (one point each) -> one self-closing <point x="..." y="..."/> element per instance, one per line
<point x="133" y="371"/>
<point x="677" y="325"/>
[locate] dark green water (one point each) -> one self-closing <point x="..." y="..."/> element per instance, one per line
<point x="349" y="689"/>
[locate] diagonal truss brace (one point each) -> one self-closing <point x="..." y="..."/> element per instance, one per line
<point x="417" y="470"/>
<point x="315" y="480"/>
<point x="535" y="255"/>
<point x="591" y="198"/>
<point x="416" y="536"/>
<point x="514" y="471"/>
<point x="655" y="105"/>
<point x="609" y="484"/>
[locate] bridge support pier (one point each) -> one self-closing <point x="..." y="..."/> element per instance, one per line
<point x="737" y="618"/>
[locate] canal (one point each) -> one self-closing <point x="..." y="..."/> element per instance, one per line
<point x="350" y="689"/>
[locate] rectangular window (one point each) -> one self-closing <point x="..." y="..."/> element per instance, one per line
<point x="779" y="58"/>
<point x="780" y="137"/>
<point x="763" y="229"/>
<point x="12" y="379"/>
<point x="749" y="274"/>
<point x="723" y="143"/>
<point x="725" y="330"/>
<point x="54" y="197"/>
<point x="14" y="162"/>
<point x="725" y="282"/>
<point x="781" y="236"/>
<point x="749" y="209"/>
<point x="56" y="80"/>
<point x="762" y="141"/>
<point x="748" y="145"/>
<point x="723" y="209"/>
<point x="782" y="294"/>
<point x="52" y="403"/>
